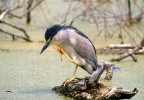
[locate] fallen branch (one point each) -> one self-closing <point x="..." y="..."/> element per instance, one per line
<point x="117" y="51"/>
<point x="88" y="88"/>
<point x="130" y="52"/>
<point x="107" y="66"/>
<point x="141" y="51"/>
<point x="121" y="46"/>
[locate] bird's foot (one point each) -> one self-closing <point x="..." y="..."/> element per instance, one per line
<point x="69" y="80"/>
<point x="61" y="52"/>
<point x="57" y="48"/>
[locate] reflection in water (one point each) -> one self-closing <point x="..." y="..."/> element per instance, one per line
<point x="37" y="91"/>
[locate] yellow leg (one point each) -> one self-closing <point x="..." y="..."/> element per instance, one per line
<point x="58" y="49"/>
<point x="72" y="78"/>
<point x="72" y="61"/>
<point x="61" y="52"/>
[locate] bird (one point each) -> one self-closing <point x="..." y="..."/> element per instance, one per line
<point x="75" y="45"/>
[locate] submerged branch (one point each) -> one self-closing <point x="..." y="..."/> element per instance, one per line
<point x="16" y="27"/>
<point x="14" y="35"/>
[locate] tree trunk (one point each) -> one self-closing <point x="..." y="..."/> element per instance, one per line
<point x="129" y="11"/>
<point x="29" y="13"/>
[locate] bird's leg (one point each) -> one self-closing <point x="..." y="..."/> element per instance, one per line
<point x="58" y="49"/>
<point x="72" y="78"/>
<point x="72" y="61"/>
<point x="61" y="52"/>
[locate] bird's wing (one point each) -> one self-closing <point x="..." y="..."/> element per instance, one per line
<point x="83" y="47"/>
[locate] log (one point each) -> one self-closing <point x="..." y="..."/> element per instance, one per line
<point x="130" y="52"/>
<point x="141" y="51"/>
<point x="89" y="88"/>
<point x="121" y="46"/>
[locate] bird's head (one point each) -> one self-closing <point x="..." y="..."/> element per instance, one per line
<point x="49" y="34"/>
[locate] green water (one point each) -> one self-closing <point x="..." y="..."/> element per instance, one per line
<point x="31" y="76"/>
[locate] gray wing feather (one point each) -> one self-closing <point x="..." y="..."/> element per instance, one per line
<point x="84" y="48"/>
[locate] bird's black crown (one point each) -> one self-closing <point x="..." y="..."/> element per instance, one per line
<point x="50" y="32"/>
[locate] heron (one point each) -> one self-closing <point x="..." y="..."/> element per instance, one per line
<point x="75" y="45"/>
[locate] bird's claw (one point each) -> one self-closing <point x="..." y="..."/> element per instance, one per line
<point x="68" y="80"/>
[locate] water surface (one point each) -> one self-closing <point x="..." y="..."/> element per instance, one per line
<point x="27" y="75"/>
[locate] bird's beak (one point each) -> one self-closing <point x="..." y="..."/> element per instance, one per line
<point x="45" y="46"/>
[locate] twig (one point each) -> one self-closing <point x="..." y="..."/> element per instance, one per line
<point x="75" y="18"/>
<point x="67" y="12"/>
<point x="44" y="14"/>
<point x="31" y="8"/>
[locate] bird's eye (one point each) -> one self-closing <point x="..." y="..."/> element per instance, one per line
<point x="49" y="39"/>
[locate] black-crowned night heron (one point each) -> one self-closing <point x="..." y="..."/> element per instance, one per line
<point x="75" y="45"/>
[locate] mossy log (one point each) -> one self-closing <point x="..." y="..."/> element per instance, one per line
<point x="88" y="88"/>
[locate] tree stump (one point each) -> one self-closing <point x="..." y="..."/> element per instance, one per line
<point x="88" y="88"/>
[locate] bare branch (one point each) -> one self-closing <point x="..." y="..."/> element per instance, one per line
<point x="31" y="8"/>
<point x="14" y="26"/>
<point x="20" y="16"/>
<point x="67" y="12"/>
<point x="14" y="35"/>
<point x="6" y="11"/>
